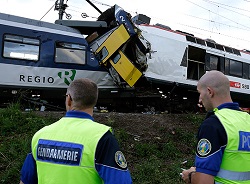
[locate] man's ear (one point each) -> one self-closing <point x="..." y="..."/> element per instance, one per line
<point x="68" y="102"/>
<point x="210" y="91"/>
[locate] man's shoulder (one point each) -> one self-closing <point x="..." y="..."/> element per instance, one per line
<point x="212" y="123"/>
<point x="211" y="119"/>
<point x="46" y="128"/>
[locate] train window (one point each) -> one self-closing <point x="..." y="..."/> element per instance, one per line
<point x="222" y="65"/>
<point x="249" y="72"/>
<point x="227" y="66"/>
<point x="235" y="68"/>
<point x="236" y="51"/>
<point x="116" y="58"/>
<point x="245" y="70"/>
<point x="21" y="47"/>
<point x="220" y="47"/>
<point x="196" y="63"/>
<point x="200" y="41"/>
<point x="214" y="63"/>
<point x="190" y="38"/>
<point x="210" y="44"/>
<point x="228" y="49"/>
<point x="102" y="54"/>
<point x="70" y="53"/>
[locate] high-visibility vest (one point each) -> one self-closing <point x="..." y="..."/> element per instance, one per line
<point x="235" y="166"/>
<point x="65" y="151"/>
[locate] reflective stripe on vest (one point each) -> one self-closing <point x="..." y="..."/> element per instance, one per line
<point x="235" y="165"/>
<point x="232" y="175"/>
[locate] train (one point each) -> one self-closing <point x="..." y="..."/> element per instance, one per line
<point x="137" y="66"/>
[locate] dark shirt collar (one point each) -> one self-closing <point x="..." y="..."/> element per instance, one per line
<point x="229" y="105"/>
<point x="78" y="114"/>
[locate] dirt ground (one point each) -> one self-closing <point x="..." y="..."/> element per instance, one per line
<point x="151" y="129"/>
<point x="143" y="126"/>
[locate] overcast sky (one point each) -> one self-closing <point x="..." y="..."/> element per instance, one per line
<point x="225" y="21"/>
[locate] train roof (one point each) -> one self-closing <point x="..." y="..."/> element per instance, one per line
<point x="85" y="27"/>
<point x="191" y="38"/>
<point x="32" y="22"/>
<point x="209" y="43"/>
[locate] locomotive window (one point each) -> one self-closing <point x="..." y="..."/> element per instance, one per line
<point x="102" y="54"/>
<point x="21" y="47"/>
<point x="70" y="53"/>
<point x="235" y="68"/>
<point x="116" y="58"/>
<point x="214" y="63"/>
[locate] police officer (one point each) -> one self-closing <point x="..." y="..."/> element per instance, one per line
<point x="223" y="148"/>
<point x="76" y="149"/>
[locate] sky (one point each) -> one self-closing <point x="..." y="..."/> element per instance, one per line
<point x="227" y="22"/>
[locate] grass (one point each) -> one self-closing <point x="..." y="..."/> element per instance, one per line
<point x="16" y="131"/>
<point x="151" y="161"/>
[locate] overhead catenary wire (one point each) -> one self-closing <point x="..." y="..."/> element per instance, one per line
<point x="97" y="2"/>
<point x="215" y="32"/>
<point x="212" y="21"/>
<point x="239" y="26"/>
<point x="214" y="3"/>
<point x="47" y="12"/>
<point x="219" y="14"/>
<point x="227" y="5"/>
<point x="244" y="27"/>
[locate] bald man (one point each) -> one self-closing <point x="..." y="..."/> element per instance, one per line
<point x="223" y="147"/>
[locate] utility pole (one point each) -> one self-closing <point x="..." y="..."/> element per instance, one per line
<point x="61" y="8"/>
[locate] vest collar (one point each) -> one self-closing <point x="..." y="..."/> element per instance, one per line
<point x="78" y="114"/>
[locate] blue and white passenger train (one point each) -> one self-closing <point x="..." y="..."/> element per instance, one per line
<point x="134" y="63"/>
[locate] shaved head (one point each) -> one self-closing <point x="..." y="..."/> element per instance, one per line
<point x="216" y="80"/>
<point x="214" y="89"/>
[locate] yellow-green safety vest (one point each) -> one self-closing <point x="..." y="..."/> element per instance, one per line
<point x="65" y="151"/>
<point x="235" y="166"/>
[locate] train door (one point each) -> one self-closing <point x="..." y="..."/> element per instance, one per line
<point x="196" y="63"/>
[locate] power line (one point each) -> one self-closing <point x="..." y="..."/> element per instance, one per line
<point x="193" y="27"/>
<point x="214" y="3"/>
<point x="212" y="21"/>
<point x="97" y="2"/>
<point x="81" y="13"/>
<point x="218" y="14"/>
<point x="47" y="12"/>
<point x="228" y="5"/>
<point x="214" y="32"/>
